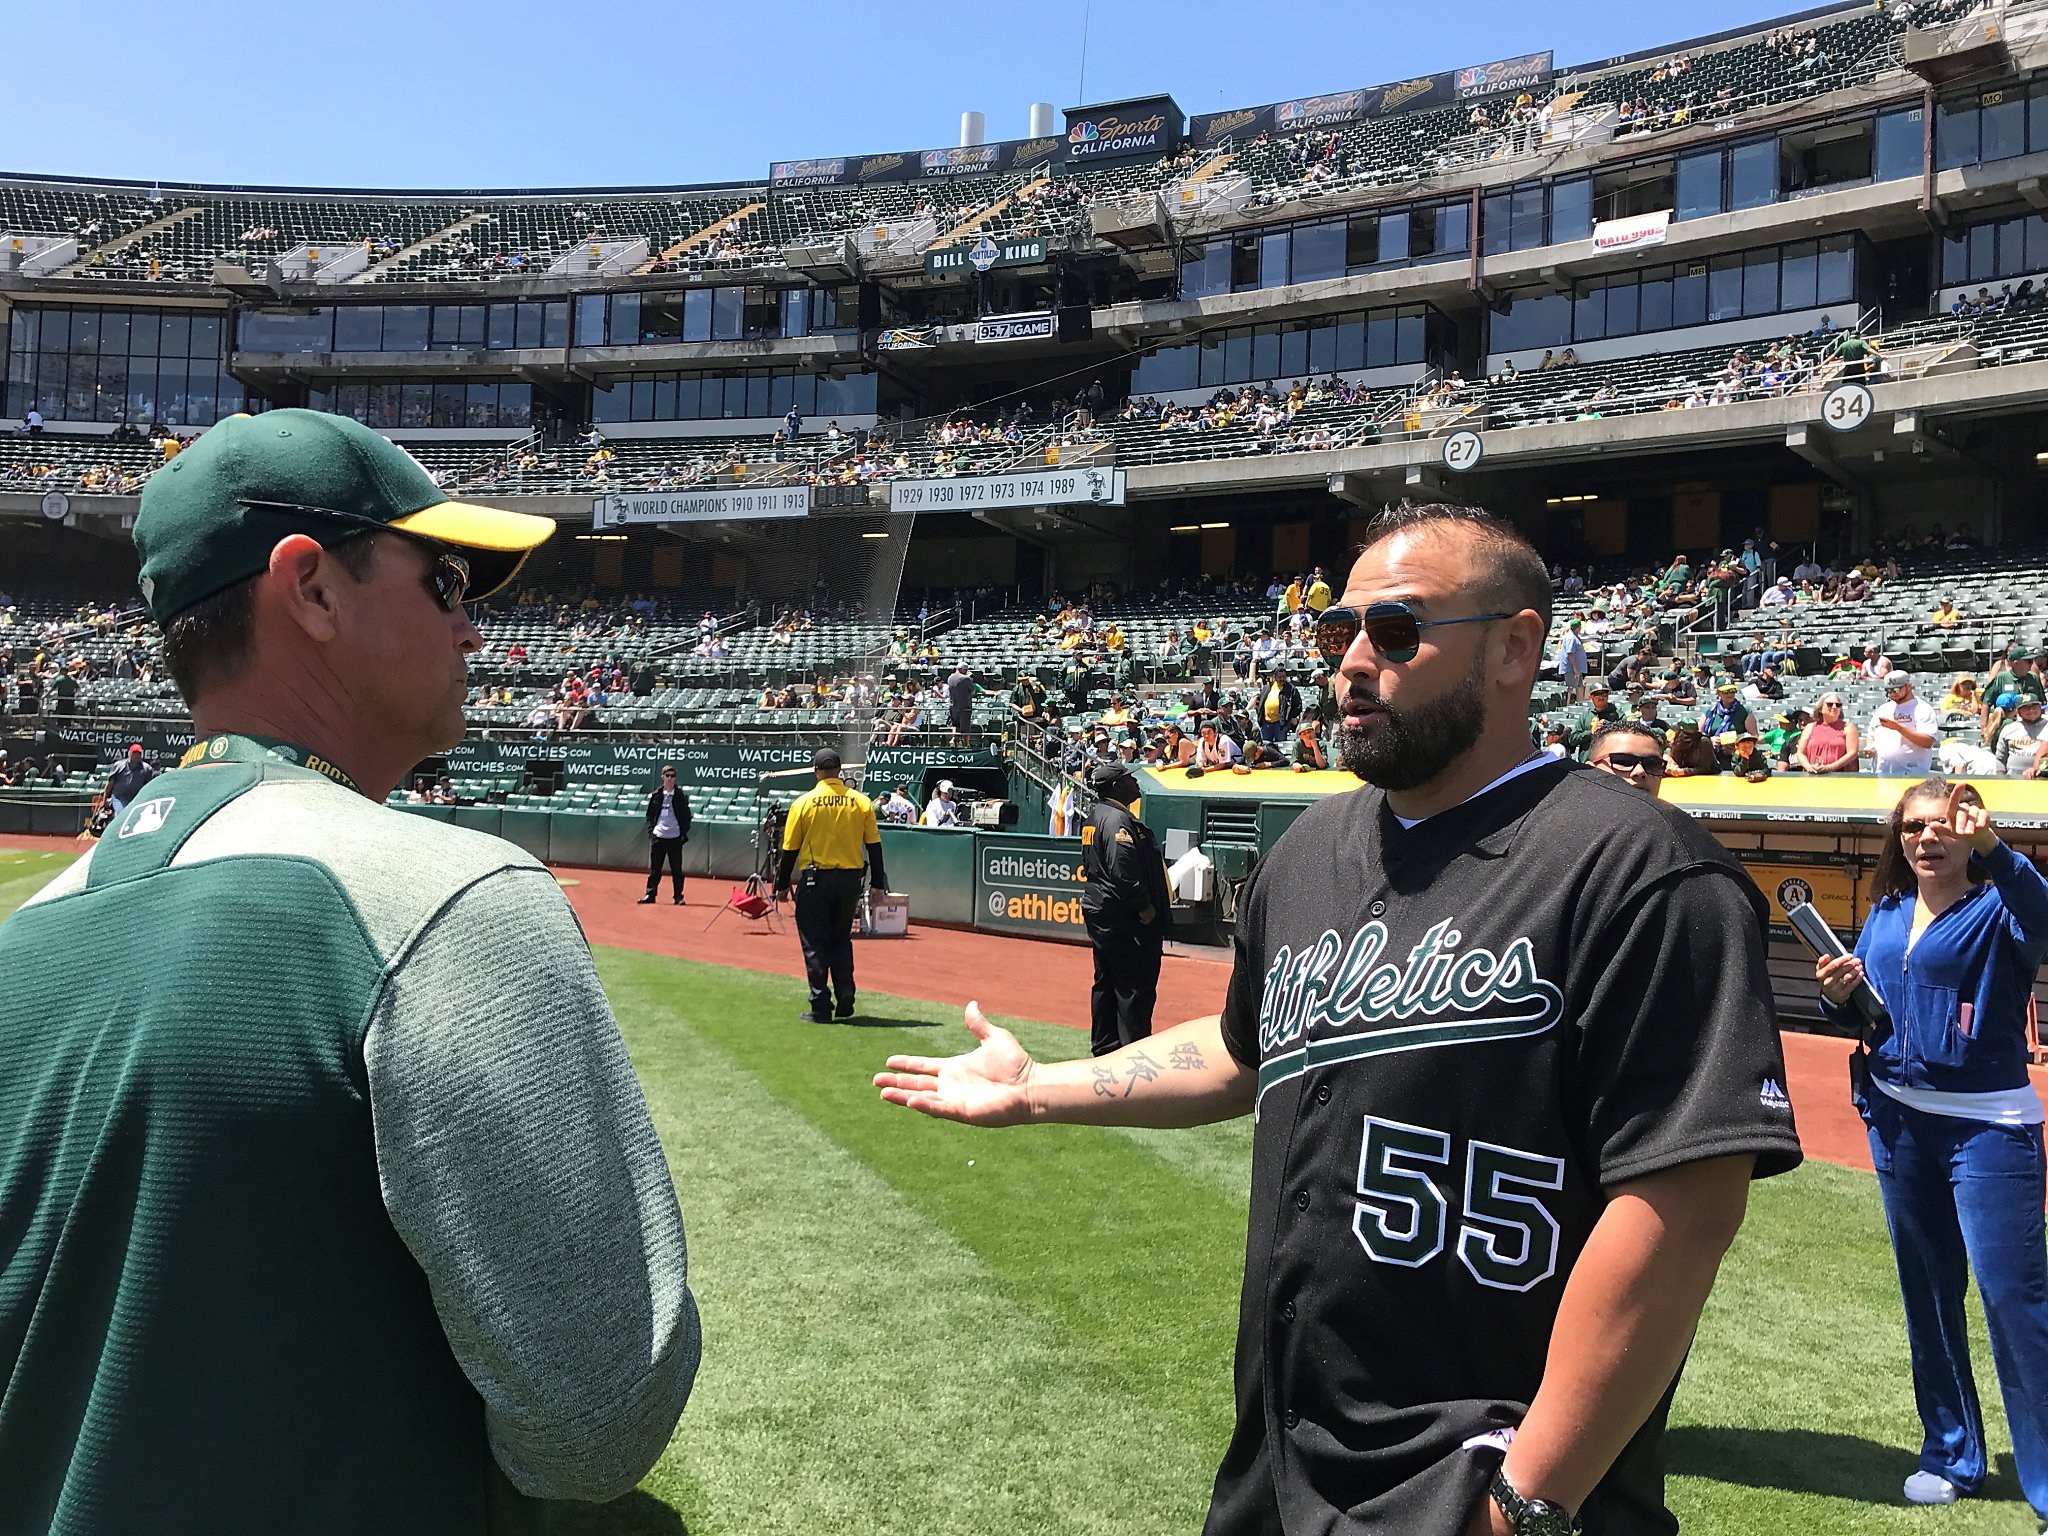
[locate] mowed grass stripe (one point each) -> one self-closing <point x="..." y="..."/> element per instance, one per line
<point x="1140" y="1265"/>
<point x="24" y="872"/>
<point x="865" y="1369"/>
<point x="1795" y="1414"/>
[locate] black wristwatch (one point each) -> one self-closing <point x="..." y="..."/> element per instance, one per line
<point x="1531" y="1517"/>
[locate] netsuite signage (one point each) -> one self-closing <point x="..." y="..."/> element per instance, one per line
<point x="1123" y="130"/>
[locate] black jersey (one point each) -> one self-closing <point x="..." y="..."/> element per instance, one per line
<point x="1464" y="1032"/>
<point x="1120" y="859"/>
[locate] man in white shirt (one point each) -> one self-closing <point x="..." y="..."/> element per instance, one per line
<point x="1779" y="593"/>
<point x="1903" y="730"/>
<point x="941" y="812"/>
<point x="2019" y="738"/>
<point x="897" y="807"/>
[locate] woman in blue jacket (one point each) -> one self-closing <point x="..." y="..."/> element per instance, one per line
<point x="1957" y="929"/>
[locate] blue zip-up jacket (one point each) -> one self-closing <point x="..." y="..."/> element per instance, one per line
<point x="1959" y="1001"/>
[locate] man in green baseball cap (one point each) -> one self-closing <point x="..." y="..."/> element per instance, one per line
<point x="277" y="533"/>
<point x="334" y="1193"/>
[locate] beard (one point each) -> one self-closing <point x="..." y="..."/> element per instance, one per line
<point x="1409" y="747"/>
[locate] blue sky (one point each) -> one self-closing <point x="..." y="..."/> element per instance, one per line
<point x="375" y="93"/>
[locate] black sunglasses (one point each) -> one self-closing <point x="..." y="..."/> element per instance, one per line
<point x="1625" y="761"/>
<point x="448" y="579"/>
<point x="1393" y="629"/>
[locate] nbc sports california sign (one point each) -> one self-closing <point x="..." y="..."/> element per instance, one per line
<point x="1123" y="130"/>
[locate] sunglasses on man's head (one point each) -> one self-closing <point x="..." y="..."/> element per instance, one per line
<point x="448" y="579"/>
<point x="1393" y="629"/>
<point x="1627" y="762"/>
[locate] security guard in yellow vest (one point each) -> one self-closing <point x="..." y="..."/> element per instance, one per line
<point x="1124" y="907"/>
<point x="829" y="829"/>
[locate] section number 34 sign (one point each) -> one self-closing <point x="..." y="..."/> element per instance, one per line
<point x="1846" y="407"/>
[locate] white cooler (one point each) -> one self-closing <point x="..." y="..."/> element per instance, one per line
<point x="884" y="915"/>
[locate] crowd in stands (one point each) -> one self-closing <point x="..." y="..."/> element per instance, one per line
<point x="1730" y="716"/>
<point x="1984" y="302"/>
<point x="1268" y="412"/>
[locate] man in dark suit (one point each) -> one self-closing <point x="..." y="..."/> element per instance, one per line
<point x="668" y="828"/>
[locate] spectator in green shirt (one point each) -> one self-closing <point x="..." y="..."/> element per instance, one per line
<point x="1601" y="711"/>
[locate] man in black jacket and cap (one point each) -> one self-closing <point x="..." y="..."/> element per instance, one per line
<point x="668" y="828"/>
<point x="1125" y="910"/>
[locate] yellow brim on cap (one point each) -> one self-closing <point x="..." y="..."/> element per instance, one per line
<point x="469" y="526"/>
<point x="500" y="540"/>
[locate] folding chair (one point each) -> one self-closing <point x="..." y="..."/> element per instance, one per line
<point x="749" y="901"/>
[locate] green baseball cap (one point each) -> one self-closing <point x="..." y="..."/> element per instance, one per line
<point x="211" y="516"/>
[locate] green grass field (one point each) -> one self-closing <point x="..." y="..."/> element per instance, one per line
<point x="912" y="1327"/>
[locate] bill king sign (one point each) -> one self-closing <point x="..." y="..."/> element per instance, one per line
<point x="986" y="253"/>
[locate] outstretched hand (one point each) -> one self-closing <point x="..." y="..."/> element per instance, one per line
<point x="987" y="1086"/>
<point x="1970" y="822"/>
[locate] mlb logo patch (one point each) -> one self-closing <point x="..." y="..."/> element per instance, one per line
<point x="148" y="817"/>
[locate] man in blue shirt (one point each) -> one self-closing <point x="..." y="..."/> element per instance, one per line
<point x="126" y="781"/>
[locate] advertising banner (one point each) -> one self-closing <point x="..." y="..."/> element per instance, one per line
<point x="1038" y="488"/>
<point x="1210" y="129"/>
<point x="1417" y="95"/>
<point x="896" y="165"/>
<point x="963" y="160"/>
<point x="1149" y="127"/>
<point x="1326" y="111"/>
<point x="732" y="504"/>
<point x="1014" y="328"/>
<point x="159" y="744"/>
<point x="1519" y="74"/>
<point x="808" y="173"/>
<point x="1829" y="883"/>
<point x="1029" y="885"/>
<point x="1333" y="109"/>
<point x="1624" y="234"/>
<point x="697" y="764"/>
<point x="917" y="164"/>
<point x="907" y="338"/>
<point x="1032" y="154"/>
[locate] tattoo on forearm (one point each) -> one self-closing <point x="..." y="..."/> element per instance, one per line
<point x="1185" y="1057"/>
<point x="1105" y="1081"/>
<point x="1142" y="1069"/>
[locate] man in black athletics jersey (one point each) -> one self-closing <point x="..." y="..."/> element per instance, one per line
<point x="1505" y="1029"/>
